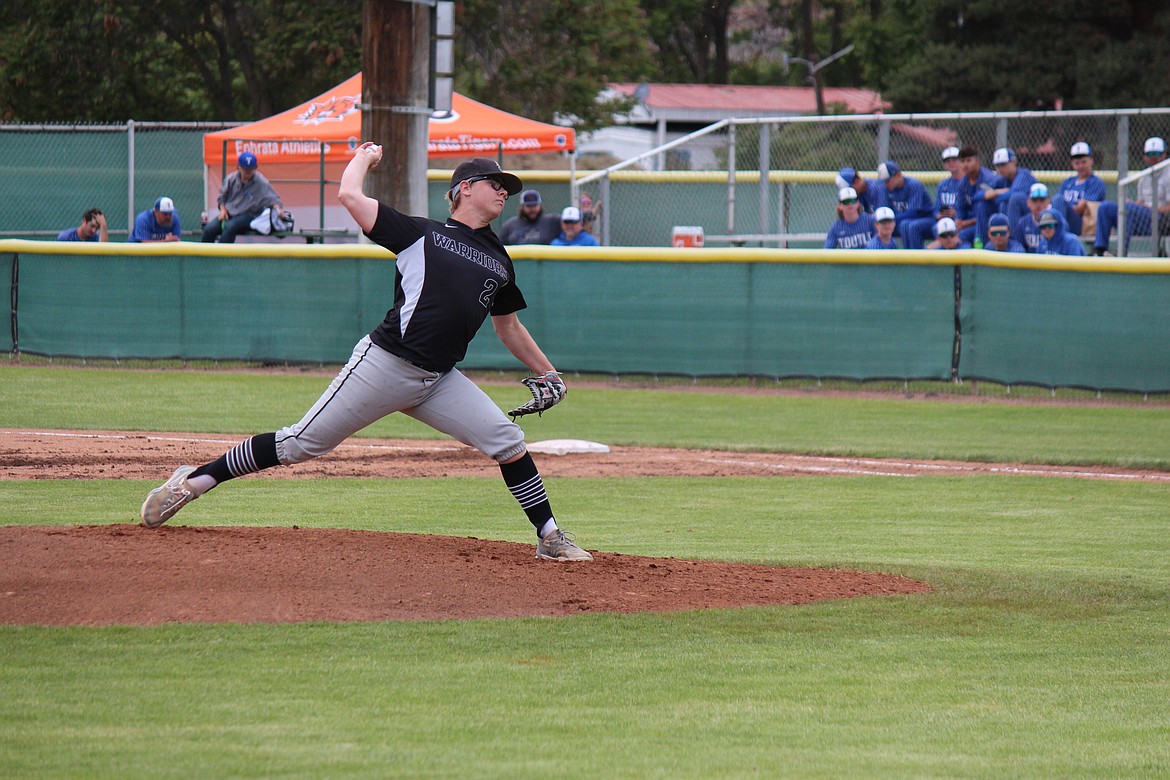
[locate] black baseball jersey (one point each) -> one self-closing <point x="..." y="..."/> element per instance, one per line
<point x="449" y="278"/>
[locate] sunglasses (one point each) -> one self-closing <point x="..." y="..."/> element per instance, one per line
<point x="848" y="201"/>
<point x="1048" y="226"/>
<point x="496" y="185"/>
<point x="948" y="234"/>
<point x="997" y="233"/>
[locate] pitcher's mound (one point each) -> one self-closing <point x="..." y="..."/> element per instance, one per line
<point x="129" y="575"/>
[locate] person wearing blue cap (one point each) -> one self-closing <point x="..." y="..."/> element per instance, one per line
<point x="1079" y="195"/>
<point x="158" y="223"/>
<point x="867" y="191"/>
<point x="244" y="195"/>
<point x="1026" y="229"/>
<point x="999" y="236"/>
<point x="905" y="196"/>
<point x="1054" y="239"/>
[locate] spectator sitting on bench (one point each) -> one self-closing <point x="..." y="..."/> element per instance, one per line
<point x="243" y="196"/>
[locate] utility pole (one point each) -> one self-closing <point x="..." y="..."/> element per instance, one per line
<point x="396" y="52"/>
<point x="814" y="72"/>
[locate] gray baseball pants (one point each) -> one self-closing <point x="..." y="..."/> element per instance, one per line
<point x="375" y="383"/>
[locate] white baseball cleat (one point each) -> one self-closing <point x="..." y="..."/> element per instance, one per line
<point x="164" y="501"/>
<point x="558" y="546"/>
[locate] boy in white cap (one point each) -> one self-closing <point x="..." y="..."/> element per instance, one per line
<point x="885" y="222"/>
<point x="916" y="233"/>
<point x="1009" y="192"/>
<point x="158" y="223"/>
<point x="1078" y="191"/>
<point x="1138" y="213"/>
<point x="947" y="233"/>
<point x="855" y="228"/>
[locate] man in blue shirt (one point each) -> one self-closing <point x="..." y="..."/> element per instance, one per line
<point x="92" y="228"/>
<point x="916" y="232"/>
<point x="854" y="229"/>
<point x="572" y="231"/>
<point x="868" y="192"/>
<point x="1077" y="192"/>
<point x="973" y="209"/>
<point x="904" y="195"/>
<point x="1009" y="192"/>
<point x="1027" y="227"/>
<point x="999" y="236"/>
<point x="160" y="223"/>
<point x="884" y="223"/>
<point x="947" y="233"/>
<point x="1054" y="239"/>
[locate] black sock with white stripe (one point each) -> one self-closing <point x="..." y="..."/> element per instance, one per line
<point x="255" y="453"/>
<point x="526" y="486"/>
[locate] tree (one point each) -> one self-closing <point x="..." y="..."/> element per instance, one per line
<point x="691" y="39"/>
<point x="549" y="58"/>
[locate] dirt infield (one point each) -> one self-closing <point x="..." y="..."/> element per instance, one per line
<point x="126" y="574"/>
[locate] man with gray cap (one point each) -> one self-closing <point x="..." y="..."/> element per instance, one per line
<point x="450" y="275"/>
<point x="531" y="225"/>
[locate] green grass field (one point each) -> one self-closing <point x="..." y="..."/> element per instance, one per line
<point x="1040" y="653"/>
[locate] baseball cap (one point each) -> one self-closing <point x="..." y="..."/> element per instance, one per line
<point x="247" y="160"/>
<point x="945" y="225"/>
<point x="483" y="168"/>
<point x="571" y="214"/>
<point x="1080" y="149"/>
<point x="1002" y="156"/>
<point x="949" y="152"/>
<point x="1038" y="191"/>
<point x="1155" y="145"/>
<point x="883" y="214"/>
<point x="164" y="205"/>
<point x="887" y="169"/>
<point x="1048" y="217"/>
<point x="999" y="220"/>
<point x="530" y="198"/>
<point x="847" y="193"/>
<point x="845" y="178"/>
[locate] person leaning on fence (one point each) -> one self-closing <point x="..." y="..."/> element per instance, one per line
<point x="244" y="195"/>
<point x="1080" y="195"/>
<point x="572" y="230"/>
<point x="530" y="225"/>
<point x="916" y="232"/>
<point x="885" y="223"/>
<point x="854" y="229"/>
<point x="904" y="195"/>
<point x="92" y="228"/>
<point x="1054" y="239"/>
<point x="947" y="236"/>
<point x="999" y="236"/>
<point x="1138" y="213"/>
<point x="590" y="210"/>
<point x="159" y="223"/>
<point x="972" y="208"/>
<point x="868" y="192"/>
<point x="1027" y="227"/>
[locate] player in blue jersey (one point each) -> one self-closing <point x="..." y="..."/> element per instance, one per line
<point x="868" y="192"/>
<point x="1009" y="191"/>
<point x="1027" y="228"/>
<point x="947" y="236"/>
<point x="973" y="208"/>
<point x="916" y="232"/>
<point x="1077" y="192"/>
<point x="855" y="228"/>
<point x="884" y="223"/>
<point x="904" y="195"/>
<point x="999" y="236"/>
<point x="1054" y="239"/>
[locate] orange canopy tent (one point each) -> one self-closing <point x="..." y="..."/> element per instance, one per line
<point x="302" y="148"/>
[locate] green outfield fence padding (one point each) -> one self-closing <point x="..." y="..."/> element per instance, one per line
<point x="7" y="327"/>
<point x="1101" y="331"/>
<point x="764" y="319"/>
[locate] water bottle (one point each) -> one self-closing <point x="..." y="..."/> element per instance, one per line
<point x="978" y="242"/>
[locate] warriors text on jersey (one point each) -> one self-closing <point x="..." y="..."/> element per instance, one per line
<point x="449" y="278"/>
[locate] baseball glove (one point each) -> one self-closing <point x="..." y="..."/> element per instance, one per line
<point x="547" y="391"/>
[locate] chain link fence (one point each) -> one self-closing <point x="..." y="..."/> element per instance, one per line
<point x="770" y="181"/>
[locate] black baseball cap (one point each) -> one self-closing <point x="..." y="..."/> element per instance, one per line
<point x="483" y="168"/>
